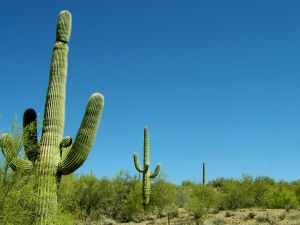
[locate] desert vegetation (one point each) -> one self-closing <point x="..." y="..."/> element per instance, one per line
<point x="33" y="189"/>
<point x="86" y="199"/>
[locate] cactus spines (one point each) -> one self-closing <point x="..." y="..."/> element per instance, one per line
<point x="54" y="155"/>
<point x="146" y="170"/>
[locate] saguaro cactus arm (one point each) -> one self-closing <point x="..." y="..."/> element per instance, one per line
<point x="137" y="164"/>
<point x="31" y="145"/>
<point x="156" y="171"/>
<point x="75" y="156"/>
<point x="7" y="146"/>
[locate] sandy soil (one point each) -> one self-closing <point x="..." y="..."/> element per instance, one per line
<point x="241" y="217"/>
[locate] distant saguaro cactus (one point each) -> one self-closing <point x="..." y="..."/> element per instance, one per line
<point x="146" y="170"/>
<point x="54" y="155"/>
<point x="203" y="175"/>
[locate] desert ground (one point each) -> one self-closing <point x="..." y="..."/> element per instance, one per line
<point x="253" y="216"/>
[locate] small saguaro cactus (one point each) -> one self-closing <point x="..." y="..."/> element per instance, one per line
<point x="146" y="170"/>
<point x="54" y="155"/>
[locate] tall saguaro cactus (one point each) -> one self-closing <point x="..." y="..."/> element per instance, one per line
<point x="146" y="170"/>
<point x="54" y="155"/>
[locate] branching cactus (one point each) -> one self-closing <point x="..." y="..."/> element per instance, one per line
<point x="54" y="155"/>
<point x="146" y="169"/>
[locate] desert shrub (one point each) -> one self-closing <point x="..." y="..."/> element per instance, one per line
<point x="133" y="204"/>
<point x="218" y="183"/>
<point x="17" y="199"/>
<point x="262" y="187"/>
<point x="200" y="201"/>
<point x="295" y="186"/>
<point x="237" y="194"/>
<point x="163" y="196"/>
<point x="247" y="192"/>
<point x="17" y="190"/>
<point x="67" y="199"/>
<point x="184" y="191"/>
<point x="228" y="198"/>
<point x="127" y="198"/>
<point x="281" y="198"/>
<point x="283" y="184"/>
<point x="120" y="198"/>
<point x="87" y="196"/>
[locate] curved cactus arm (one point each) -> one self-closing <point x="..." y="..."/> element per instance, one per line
<point x="137" y="164"/>
<point x="78" y="152"/>
<point x="7" y="146"/>
<point x="156" y="171"/>
<point x="31" y="145"/>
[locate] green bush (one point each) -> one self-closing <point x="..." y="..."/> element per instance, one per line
<point x="231" y="196"/>
<point x="17" y="199"/>
<point x="17" y="190"/>
<point x="262" y="187"/>
<point x="67" y="199"/>
<point x="281" y="198"/>
<point x="163" y="196"/>
<point x="87" y="196"/>
<point x="295" y="186"/>
<point x="183" y="193"/>
<point x="127" y="198"/>
<point x="237" y="194"/>
<point x="200" y="201"/>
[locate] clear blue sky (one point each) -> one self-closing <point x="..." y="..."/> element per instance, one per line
<point x="215" y="81"/>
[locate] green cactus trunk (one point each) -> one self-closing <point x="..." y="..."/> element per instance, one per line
<point x="146" y="174"/>
<point x="53" y="126"/>
<point x="55" y="155"/>
<point x="146" y="171"/>
<point x="203" y="176"/>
